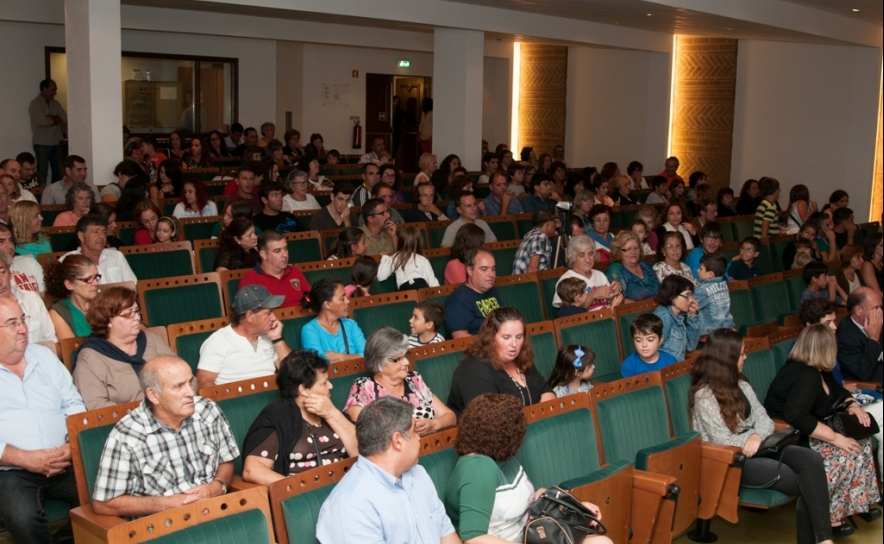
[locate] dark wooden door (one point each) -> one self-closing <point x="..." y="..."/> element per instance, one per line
<point x="378" y="97"/>
<point x="410" y="90"/>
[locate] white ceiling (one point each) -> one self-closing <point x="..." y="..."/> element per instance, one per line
<point x="870" y="11"/>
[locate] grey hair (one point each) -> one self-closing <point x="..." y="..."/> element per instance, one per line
<point x="149" y="378"/>
<point x="579" y="241"/>
<point x="379" y="421"/>
<point x="383" y="344"/>
<point x="79" y="187"/>
<point x="293" y="175"/>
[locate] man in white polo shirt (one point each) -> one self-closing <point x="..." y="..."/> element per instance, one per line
<point x="250" y="347"/>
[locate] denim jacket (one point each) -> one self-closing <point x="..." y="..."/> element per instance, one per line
<point x="714" y="301"/>
<point x="681" y="333"/>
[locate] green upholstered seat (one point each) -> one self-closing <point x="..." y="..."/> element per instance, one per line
<point x="780" y="352"/>
<point x="303" y="251"/>
<point x="342" y="273"/>
<point x="169" y="208"/>
<point x="600" y="336"/>
<point x="545" y="351"/>
<point x="386" y="286"/>
<point x="765" y="260"/>
<point x="439" y="262"/>
<point x="560" y="447"/>
<point x="61" y="240"/>
<point x="525" y="297"/>
<point x="188" y="347"/>
<point x="341" y="387"/>
<point x="438" y="371"/>
<point x="741" y="309"/>
<point x="765" y="498"/>
<point x="206" y="257"/>
<point x="768" y="301"/>
<point x="760" y="370"/>
<point x="148" y="266"/>
<point x="249" y="526"/>
<point x="439" y="466"/>
<point x="50" y="215"/>
<point x="524" y="226"/>
<point x="677" y="390"/>
<point x="301" y="512"/>
<point x="198" y="231"/>
<point x="743" y="229"/>
<point x="729" y="254"/>
<point x="202" y="176"/>
<point x="182" y="303"/>
<point x="291" y="330"/>
<point x="396" y="315"/>
<point x="504" y="230"/>
<point x="127" y="235"/>
<point x="776" y="255"/>
<point x="548" y="288"/>
<point x="503" y="259"/>
<point x="241" y="412"/>
<point x="645" y="410"/>
<point x="794" y="286"/>
<point x="323" y="199"/>
<point x="91" y="445"/>
<point x="436" y="234"/>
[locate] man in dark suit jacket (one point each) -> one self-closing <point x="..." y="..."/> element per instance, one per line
<point x="859" y="337"/>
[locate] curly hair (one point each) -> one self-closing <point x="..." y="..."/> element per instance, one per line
<point x="20" y="215"/>
<point x="107" y="305"/>
<point x="300" y="367"/>
<point x="201" y="193"/>
<point x="72" y="194"/>
<point x="484" y="347"/>
<point x="493" y="425"/>
<point x="57" y="272"/>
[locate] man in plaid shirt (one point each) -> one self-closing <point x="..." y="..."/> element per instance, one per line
<point x="174" y="449"/>
<point x="535" y="251"/>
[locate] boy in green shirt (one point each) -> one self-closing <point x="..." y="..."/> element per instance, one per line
<point x="767" y="222"/>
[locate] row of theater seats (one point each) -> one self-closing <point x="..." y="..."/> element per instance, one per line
<point x="653" y="476"/>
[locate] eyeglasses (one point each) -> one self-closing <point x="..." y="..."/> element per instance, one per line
<point x="91" y="279"/>
<point x="673" y="246"/>
<point x="389" y="174"/>
<point x="689" y="295"/>
<point x="630" y="249"/>
<point x="746" y="249"/>
<point x="385" y="212"/>
<point x="15" y="323"/>
<point x="134" y="314"/>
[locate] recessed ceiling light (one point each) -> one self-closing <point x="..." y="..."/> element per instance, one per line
<point x="649" y="14"/>
<point x="854" y="9"/>
<point x="727" y="29"/>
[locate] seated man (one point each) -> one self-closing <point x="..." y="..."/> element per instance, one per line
<point x="469" y="213"/>
<point x="274" y="271"/>
<point x="535" y="252"/>
<point x="859" y="337"/>
<point x="272" y="218"/>
<point x="469" y="304"/>
<point x="501" y="201"/>
<point x="386" y="497"/>
<point x="250" y="347"/>
<point x="27" y="274"/>
<point x="543" y="196"/>
<point x="112" y="265"/>
<point x="35" y="457"/>
<point x="246" y="177"/>
<point x="174" y="449"/>
<point x="379" y="229"/>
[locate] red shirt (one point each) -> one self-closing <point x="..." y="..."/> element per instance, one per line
<point x="153" y="165"/>
<point x="669" y="180"/>
<point x="292" y="284"/>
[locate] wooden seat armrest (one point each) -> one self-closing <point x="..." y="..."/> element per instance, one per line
<point x="656" y="484"/>
<point x="238" y="484"/>
<point x="853" y="385"/>
<point x="91" y="527"/>
<point x="720" y="453"/>
<point x="780" y="425"/>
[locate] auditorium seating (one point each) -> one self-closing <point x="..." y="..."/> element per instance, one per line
<point x="522" y="292"/>
<point x="198" y="228"/>
<point x="147" y="264"/>
<point x="392" y="309"/>
<point x="436" y="363"/>
<point x="341" y="376"/>
<point x="543" y="341"/>
<point x="548" y="280"/>
<point x="598" y="331"/>
<point x="178" y="299"/>
<point x="186" y="339"/>
<point x="625" y="314"/>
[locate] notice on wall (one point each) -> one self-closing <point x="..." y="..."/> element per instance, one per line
<point x="334" y="94"/>
<point x="168" y="93"/>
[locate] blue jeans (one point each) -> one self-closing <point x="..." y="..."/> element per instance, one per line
<point x="49" y="155"/>
<point x="22" y="495"/>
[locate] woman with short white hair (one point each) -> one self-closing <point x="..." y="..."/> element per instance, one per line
<point x="580" y="256"/>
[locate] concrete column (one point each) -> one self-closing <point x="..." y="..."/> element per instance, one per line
<point x="458" y="66"/>
<point x="95" y="108"/>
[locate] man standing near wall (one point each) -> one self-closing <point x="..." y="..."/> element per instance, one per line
<point x="47" y="116"/>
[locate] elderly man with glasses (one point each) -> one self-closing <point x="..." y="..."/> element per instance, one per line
<point x="379" y="229"/>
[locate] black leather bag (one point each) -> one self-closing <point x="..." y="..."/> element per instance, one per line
<point x="843" y="422"/>
<point x="775" y="444"/>
<point x="558" y="517"/>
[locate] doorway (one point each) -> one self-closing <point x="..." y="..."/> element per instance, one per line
<point x="398" y="128"/>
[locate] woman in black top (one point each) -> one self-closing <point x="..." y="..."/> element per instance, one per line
<point x="237" y="247"/>
<point x="500" y="360"/>
<point x="750" y="198"/>
<point x="803" y="393"/>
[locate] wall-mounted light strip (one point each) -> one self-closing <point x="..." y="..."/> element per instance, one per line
<point x="514" y="121"/>
<point x="875" y="202"/>
<point x="673" y="73"/>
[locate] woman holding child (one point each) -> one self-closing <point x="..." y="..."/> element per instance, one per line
<point x="580" y="256"/>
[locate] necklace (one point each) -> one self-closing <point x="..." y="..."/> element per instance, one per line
<point x="522" y="390"/>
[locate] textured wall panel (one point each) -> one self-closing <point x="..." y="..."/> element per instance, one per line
<point x="703" y="106"/>
<point x="543" y="84"/>
<point x="878" y="182"/>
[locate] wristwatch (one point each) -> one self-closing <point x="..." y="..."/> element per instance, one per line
<point x="277" y="340"/>
<point x="223" y="487"/>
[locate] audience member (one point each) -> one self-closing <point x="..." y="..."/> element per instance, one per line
<point x="677" y="308"/>
<point x="370" y="177"/>
<point x="807" y="234"/>
<point x="27" y="229"/>
<point x="350" y="243"/>
<point x="636" y="276"/>
<point x="825" y="239"/>
<point x="74" y="172"/>
<point x="26" y="272"/>
<point x="542" y="196"/>
<point x="670" y="258"/>
<point x="848" y="275"/>
<point x="859" y="337"/>
<point x="379" y="229"/>
<point x="573" y="297"/>
<point x="750" y="198"/>
<point x="271" y="217"/>
<point x="246" y="178"/>
<point x="47" y="117"/>
<point x="411" y="269"/>
<point x="298" y="198"/>
<point x="640" y="229"/>
<point x="274" y="272"/>
<point x="124" y="171"/>
<point x="743" y="267"/>
<point x="378" y="154"/>
<point x="293" y="148"/>
<point x="648" y="338"/>
<point x="710" y="242"/>
<point x="427" y="165"/>
<point x="580" y="256"/>
<point x="872" y="270"/>
<point x="134" y="192"/>
<point x="336" y="215"/>
<point x="516" y="174"/>
<point x="10" y="175"/>
<point x="384" y="192"/>
<point x="425" y="208"/>
<point x="174" y="449"/>
<point x="147" y="214"/>
<point x="115" y="353"/>
<point x="195" y="201"/>
<point x="34" y="451"/>
<point x="712" y="295"/>
<point x="167" y="230"/>
<point x="838" y="199"/>
<point x="469" y="214"/>
<point x="427" y="318"/>
<point x="673" y="220"/>
<point x="725" y="410"/>
<point x="468" y="306"/>
<point x="767" y="222"/>
<point x="821" y="285"/>
<point x="176" y="148"/>
<point x="364" y="274"/>
<point x="300" y="430"/>
<point x="74" y="281"/>
<point x="332" y="334"/>
<point x="168" y="181"/>
<point x="252" y="345"/>
<point x="725" y="199"/>
<point x="535" y="252"/>
<point x="572" y="371"/>
<point x="659" y="191"/>
<point x="40" y="327"/>
<point x="490" y="165"/>
<point x="30" y="177"/>
<point x="843" y="227"/>
<point x="500" y="201"/>
<point x="237" y="246"/>
<point x="469" y="238"/>
<point x="670" y="170"/>
<point x="112" y="265"/>
<point x="800" y="208"/>
<point x="499" y="360"/>
<point x="600" y="224"/>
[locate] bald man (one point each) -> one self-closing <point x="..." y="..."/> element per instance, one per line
<point x="859" y="337"/>
<point x="174" y="449"/>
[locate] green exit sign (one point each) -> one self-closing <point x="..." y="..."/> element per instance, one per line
<point x="404" y="64"/>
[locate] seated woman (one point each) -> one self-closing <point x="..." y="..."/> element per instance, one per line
<point x="331" y="334"/>
<point x="469" y="238"/>
<point x="678" y="310"/>
<point x="389" y="176"/>
<point x="488" y="493"/>
<point x="217" y="146"/>
<point x="670" y="258"/>
<point x="803" y="393"/>
<point x="195" y="201"/>
<point x="134" y="192"/>
<point x="848" y="276"/>
<point x="40" y="327"/>
<point x="237" y="247"/>
<point x="197" y="156"/>
<point x="600" y="231"/>
<point x="310" y="164"/>
<point x="169" y="181"/>
<point x="237" y="208"/>
<point x="583" y="203"/>
<point x="622" y="196"/>
<point x="425" y="208"/>
<point x="27" y="226"/>
<point x="146" y="213"/>
<point x="74" y="281"/>
<point x="386" y="358"/>
<point x="427" y="165"/>
<point x="807" y="233"/>
<point x="725" y="410"/>
<point x="872" y="270"/>
<point x="629" y="270"/>
<point x="77" y="201"/>
<point x="500" y="360"/>
<point x="110" y="360"/>
<point x="350" y="243"/>
<point x="298" y="198"/>
<point x="300" y="430"/>
<point x="580" y="255"/>
<point x="673" y="219"/>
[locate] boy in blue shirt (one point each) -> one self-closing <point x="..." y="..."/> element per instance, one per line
<point x="820" y="284"/>
<point x="712" y="295"/>
<point x="710" y="242"/>
<point x="647" y="336"/>
<point x="743" y="266"/>
<point x="572" y="291"/>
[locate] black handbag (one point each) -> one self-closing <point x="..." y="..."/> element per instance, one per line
<point x="774" y="447"/>
<point x="558" y="517"/>
<point x="843" y="422"/>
